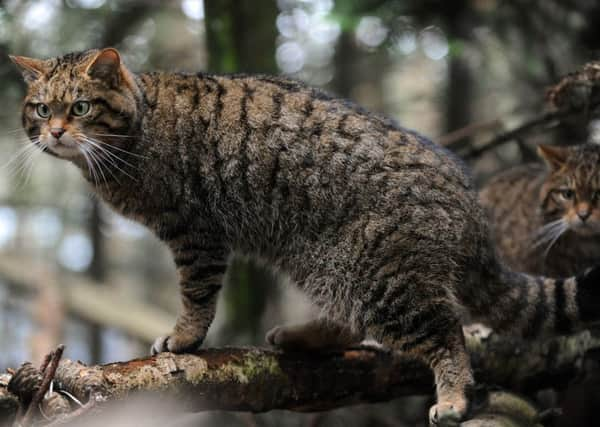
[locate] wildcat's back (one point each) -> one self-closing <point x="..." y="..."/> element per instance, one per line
<point x="284" y="167"/>
<point x="377" y="225"/>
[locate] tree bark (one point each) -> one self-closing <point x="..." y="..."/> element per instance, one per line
<point x="259" y="380"/>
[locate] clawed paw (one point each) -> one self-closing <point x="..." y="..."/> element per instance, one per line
<point x="289" y="338"/>
<point x="276" y="336"/>
<point x="445" y="414"/>
<point x="175" y="344"/>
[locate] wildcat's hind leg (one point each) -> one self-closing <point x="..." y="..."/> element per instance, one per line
<point x="453" y="379"/>
<point x="317" y="335"/>
<point x="431" y="331"/>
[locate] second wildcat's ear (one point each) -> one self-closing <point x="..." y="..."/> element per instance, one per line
<point x="554" y="156"/>
<point x="31" y="69"/>
<point x="106" y="66"/>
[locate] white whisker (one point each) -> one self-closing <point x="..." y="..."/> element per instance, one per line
<point x="106" y="145"/>
<point x="103" y="147"/>
<point x="30" y="161"/>
<point x="89" y="165"/>
<point x="111" y="158"/>
<point x="115" y="135"/>
<point x="548" y="234"/>
<point x="17" y="159"/>
<point x="98" y="158"/>
<point x="98" y="162"/>
<point x="13" y="131"/>
<point x="21" y="163"/>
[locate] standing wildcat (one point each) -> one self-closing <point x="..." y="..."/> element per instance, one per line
<point x="546" y="220"/>
<point x="380" y="227"/>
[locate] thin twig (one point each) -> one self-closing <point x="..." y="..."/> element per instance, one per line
<point x="452" y="139"/>
<point x="46" y="361"/>
<point x="49" y="372"/>
<point x="525" y="128"/>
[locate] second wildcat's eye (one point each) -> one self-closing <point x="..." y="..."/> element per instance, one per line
<point x="42" y="110"/>
<point x="80" y="108"/>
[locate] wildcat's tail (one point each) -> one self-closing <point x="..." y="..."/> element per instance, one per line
<point x="530" y="305"/>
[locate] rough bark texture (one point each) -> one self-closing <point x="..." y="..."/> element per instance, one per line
<point x="258" y="380"/>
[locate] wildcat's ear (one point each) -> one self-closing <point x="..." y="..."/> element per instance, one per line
<point x="554" y="156"/>
<point x="31" y="69"/>
<point x="106" y="66"/>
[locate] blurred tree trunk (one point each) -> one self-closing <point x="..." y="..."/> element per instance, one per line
<point x="241" y="37"/>
<point x="459" y="86"/>
<point x="49" y="315"/>
<point x="344" y="78"/>
<point x="97" y="271"/>
<point x="359" y="74"/>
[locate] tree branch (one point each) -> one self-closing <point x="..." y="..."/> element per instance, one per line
<point x="575" y="95"/>
<point x="527" y="127"/>
<point x="259" y="380"/>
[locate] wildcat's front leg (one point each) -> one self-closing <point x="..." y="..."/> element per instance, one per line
<point x="201" y="279"/>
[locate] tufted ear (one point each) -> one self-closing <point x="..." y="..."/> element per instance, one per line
<point x="31" y="69"/>
<point x="554" y="156"/>
<point x="106" y="66"/>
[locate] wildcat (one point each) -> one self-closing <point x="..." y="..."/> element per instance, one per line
<point x="546" y="219"/>
<point x="377" y="225"/>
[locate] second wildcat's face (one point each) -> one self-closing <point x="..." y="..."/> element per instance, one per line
<point x="79" y="105"/>
<point x="571" y="193"/>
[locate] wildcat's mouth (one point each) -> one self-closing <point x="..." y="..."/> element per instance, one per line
<point x="63" y="148"/>
<point x="585" y="228"/>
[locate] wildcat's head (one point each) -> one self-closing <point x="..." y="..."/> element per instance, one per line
<point x="79" y="106"/>
<point x="571" y="193"/>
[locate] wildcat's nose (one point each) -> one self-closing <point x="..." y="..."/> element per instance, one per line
<point x="583" y="214"/>
<point x="57" y="132"/>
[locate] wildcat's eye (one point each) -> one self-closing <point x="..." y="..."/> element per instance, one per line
<point x="80" y="108"/>
<point x="566" y="194"/>
<point x="42" y="110"/>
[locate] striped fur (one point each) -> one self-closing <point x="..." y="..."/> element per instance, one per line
<point x="377" y="225"/>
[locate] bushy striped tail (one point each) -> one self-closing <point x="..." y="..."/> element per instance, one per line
<point x="534" y="305"/>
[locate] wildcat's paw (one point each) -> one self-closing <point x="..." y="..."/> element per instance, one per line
<point x="445" y="414"/>
<point x="276" y="336"/>
<point x="289" y="338"/>
<point x="175" y="344"/>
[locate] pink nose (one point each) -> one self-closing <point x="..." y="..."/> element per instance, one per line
<point x="57" y="132"/>
<point x="583" y="215"/>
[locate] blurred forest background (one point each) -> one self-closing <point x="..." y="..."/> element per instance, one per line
<point x="72" y="271"/>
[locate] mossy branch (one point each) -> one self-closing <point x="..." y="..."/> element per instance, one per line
<point x="259" y="380"/>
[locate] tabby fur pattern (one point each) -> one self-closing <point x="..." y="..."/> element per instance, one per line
<point x="377" y="225"/>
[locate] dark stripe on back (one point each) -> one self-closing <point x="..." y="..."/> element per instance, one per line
<point x="588" y="295"/>
<point x="541" y="311"/>
<point x="244" y="161"/>
<point x="562" y="322"/>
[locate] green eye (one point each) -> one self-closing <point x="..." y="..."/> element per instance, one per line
<point x="42" y="110"/>
<point x="567" y="194"/>
<point x="80" y="108"/>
